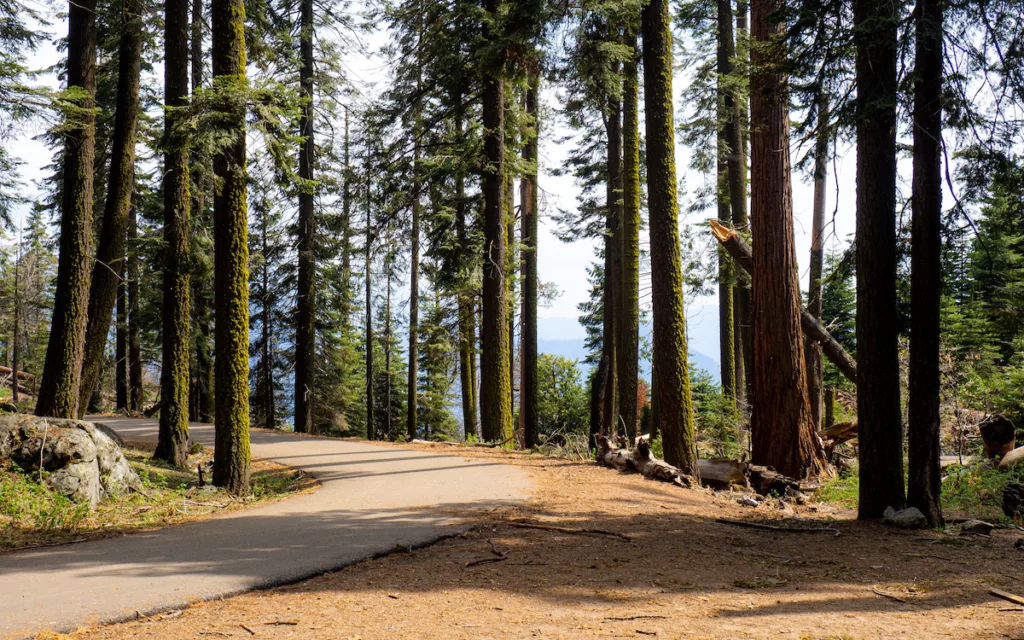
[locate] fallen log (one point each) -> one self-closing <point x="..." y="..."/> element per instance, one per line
<point x="640" y="460"/>
<point x="1012" y="458"/>
<point x="722" y="473"/>
<point x="998" y="434"/>
<point x="743" y="256"/>
<point x="767" y="481"/>
<point x="21" y="374"/>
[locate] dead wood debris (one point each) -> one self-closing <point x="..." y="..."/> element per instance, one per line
<point x="1006" y="595"/>
<point x="498" y="556"/>
<point x="889" y="595"/>
<point x="771" y="527"/>
<point x="544" y="527"/>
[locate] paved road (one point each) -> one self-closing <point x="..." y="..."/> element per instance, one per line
<point x="372" y="499"/>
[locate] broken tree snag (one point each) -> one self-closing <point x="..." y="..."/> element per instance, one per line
<point x="998" y="434"/>
<point x="768" y="481"/>
<point x="743" y="256"/>
<point x="610" y="455"/>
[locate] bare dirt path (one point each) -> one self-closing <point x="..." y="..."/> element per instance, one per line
<point x="681" y="575"/>
<point x="372" y="499"/>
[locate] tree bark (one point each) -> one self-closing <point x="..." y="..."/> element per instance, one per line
<point x="613" y="129"/>
<point x="781" y="432"/>
<point x="628" y="309"/>
<point x="172" y="444"/>
<point x="62" y="369"/>
<point x="495" y="385"/>
<point x="924" y="485"/>
<point x="467" y="307"/>
<point x="371" y="427"/>
<point x="231" y="252"/>
<point x="121" y="341"/>
<point x="110" y="251"/>
<point x="306" y="298"/>
<point x="812" y="349"/>
<point x="528" y="247"/>
<point x="672" y="410"/>
<point x="736" y="135"/>
<point x="878" y="382"/>
<point x="412" y="402"/>
<point x="135" y="389"/>
<point x="726" y="279"/>
<point x="16" y="340"/>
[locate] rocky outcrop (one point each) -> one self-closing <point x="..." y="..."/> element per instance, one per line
<point x="84" y="461"/>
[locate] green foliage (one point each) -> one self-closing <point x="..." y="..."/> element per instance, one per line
<point x="717" y="423"/>
<point x="562" y="401"/>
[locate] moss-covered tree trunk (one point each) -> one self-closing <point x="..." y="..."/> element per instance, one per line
<point x="613" y="203"/>
<point x="306" y="295"/>
<point x="628" y="309"/>
<point x="926" y="267"/>
<point x="110" y="250"/>
<point x="231" y="252"/>
<point x="879" y="428"/>
<point x="781" y="431"/>
<point x="528" y="247"/>
<point x="467" y="305"/>
<point x="59" y="390"/>
<point x="172" y="445"/>
<point x="371" y="424"/>
<point x="135" y="390"/>
<point x="726" y="277"/>
<point x="673" y="410"/>
<point x="495" y="383"/>
<point x="812" y="349"/>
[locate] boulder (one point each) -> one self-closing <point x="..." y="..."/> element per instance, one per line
<point x="85" y="463"/>
<point x="910" y="518"/>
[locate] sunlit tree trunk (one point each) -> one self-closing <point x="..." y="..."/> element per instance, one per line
<point x="812" y="350"/>
<point x="306" y="298"/>
<point x="528" y="247"/>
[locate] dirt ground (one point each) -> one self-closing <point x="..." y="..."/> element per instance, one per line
<point x="680" y="575"/>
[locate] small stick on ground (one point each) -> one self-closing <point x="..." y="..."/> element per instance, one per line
<point x="771" y="527"/>
<point x="889" y="595"/>
<point x="544" y="527"/>
<point x="251" y="632"/>
<point x="1006" y="595"/>
<point x="500" y="556"/>
<point x="625" y="618"/>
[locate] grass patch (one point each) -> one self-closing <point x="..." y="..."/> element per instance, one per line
<point x="975" y="492"/>
<point x="32" y="515"/>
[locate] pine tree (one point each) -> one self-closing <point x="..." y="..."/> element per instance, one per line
<point x="305" y="336"/>
<point x="528" y="246"/>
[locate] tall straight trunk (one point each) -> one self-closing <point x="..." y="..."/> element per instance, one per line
<point x="812" y="350"/>
<point x="673" y="409"/>
<point x="110" y="251"/>
<point x="627" y="322"/>
<point x="467" y="306"/>
<point x="371" y="426"/>
<point x="121" y="342"/>
<point x="231" y="252"/>
<point x="737" y="129"/>
<point x="172" y="444"/>
<point x="200" y="406"/>
<point x="346" y="234"/>
<point x="878" y="383"/>
<point x="135" y="390"/>
<point x="306" y="298"/>
<point x="528" y="247"/>
<point x="926" y="267"/>
<point x="15" y="349"/>
<point x="613" y="168"/>
<point x="387" y="349"/>
<point x="412" y="402"/>
<point x="781" y="431"/>
<point x="495" y="384"/>
<point x="266" y="398"/>
<point x="726" y="290"/>
<point x="510" y="279"/>
<point x="62" y="369"/>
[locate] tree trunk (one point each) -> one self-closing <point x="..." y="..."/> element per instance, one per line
<point x="613" y="128"/>
<point x="346" y="235"/>
<point x="371" y="427"/>
<point x="726" y="289"/>
<point x="926" y="267"/>
<point x="172" y="445"/>
<point x="510" y="279"/>
<point x="495" y="385"/>
<point x="110" y="251"/>
<point x="231" y="252"/>
<point x="306" y="298"/>
<point x="627" y="312"/>
<point x="528" y="247"/>
<point x="736" y="134"/>
<point x="467" y="306"/>
<point x="135" y="390"/>
<point x="878" y="381"/>
<point x="412" y="402"/>
<point x="121" y="341"/>
<point x="266" y="393"/>
<point x="15" y="350"/>
<point x="62" y="369"/>
<point x="812" y="349"/>
<point x="672" y="410"/>
<point x="781" y="432"/>
<point x="387" y="348"/>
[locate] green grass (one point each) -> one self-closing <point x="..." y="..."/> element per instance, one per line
<point x="31" y="514"/>
<point x="975" y="492"/>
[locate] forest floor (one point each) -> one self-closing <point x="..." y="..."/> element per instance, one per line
<point x="680" y="575"/>
<point x="32" y="515"/>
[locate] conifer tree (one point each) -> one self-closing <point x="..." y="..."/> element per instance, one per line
<point x="306" y="298"/>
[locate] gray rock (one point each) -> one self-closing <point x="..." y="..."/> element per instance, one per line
<point x="910" y="518"/>
<point x="979" y="527"/>
<point x="85" y="463"/>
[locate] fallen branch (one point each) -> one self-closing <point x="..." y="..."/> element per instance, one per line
<point x="1006" y="595"/>
<point x="251" y="632"/>
<point x="499" y="556"/>
<point x="482" y="445"/>
<point x="889" y="595"/>
<point x="771" y="527"/>
<point x="743" y="256"/>
<point x="627" y="618"/>
<point x="545" y="527"/>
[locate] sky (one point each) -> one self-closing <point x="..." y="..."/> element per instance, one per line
<point x="563" y="265"/>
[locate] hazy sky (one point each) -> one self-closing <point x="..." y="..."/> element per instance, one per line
<point x="561" y="264"/>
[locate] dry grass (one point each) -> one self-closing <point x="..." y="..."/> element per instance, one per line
<point x="682" y="575"/>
